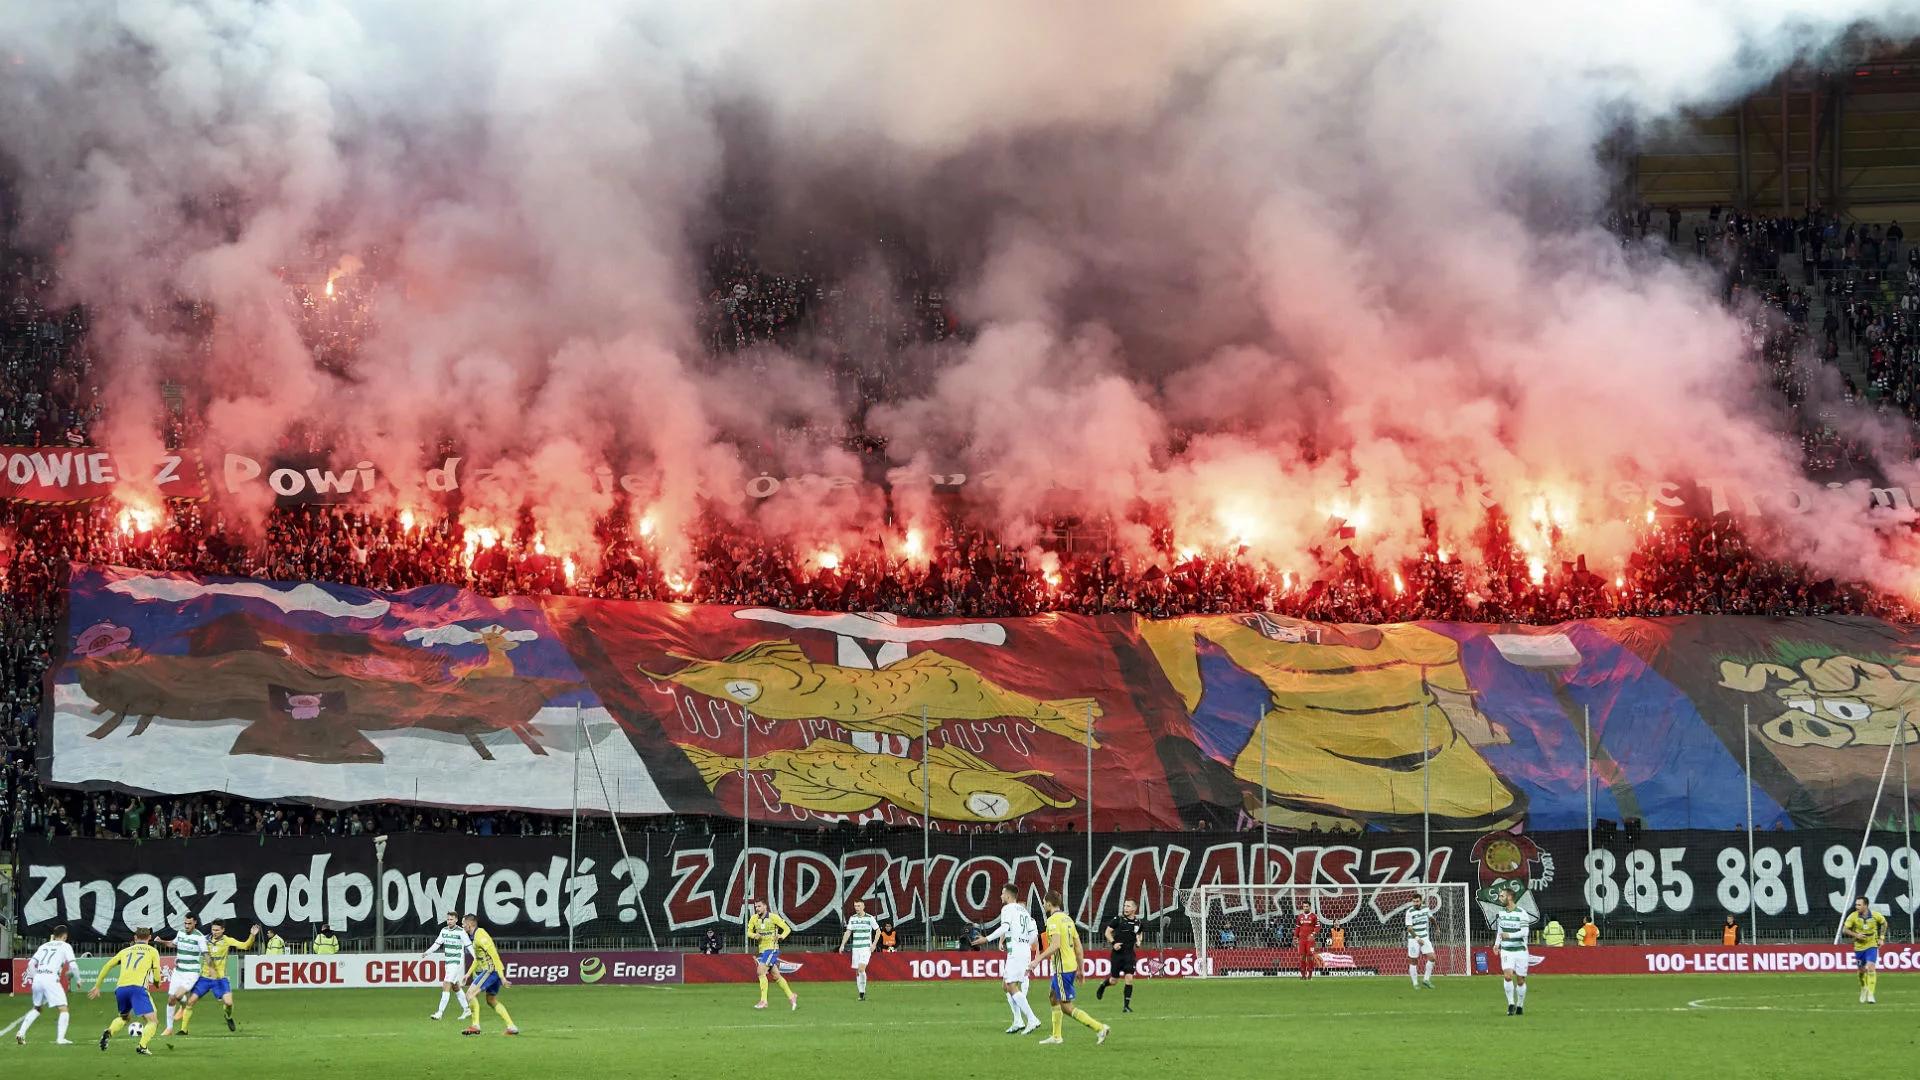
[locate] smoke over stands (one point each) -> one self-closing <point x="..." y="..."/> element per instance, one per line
<point x="1227" y="270"/>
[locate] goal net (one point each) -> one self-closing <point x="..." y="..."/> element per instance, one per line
<point x="1245" y="930"/>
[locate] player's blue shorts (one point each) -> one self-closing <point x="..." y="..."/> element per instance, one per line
<point x="487" y="982"/>
<point x="206" y="987"/>
<point x="769" y="957"/>
<point x="1062" y="985"/>
<point x="132" y="1000"/>
<point x="1863" y="957"/>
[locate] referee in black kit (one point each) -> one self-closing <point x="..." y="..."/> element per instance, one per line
<point x="1122" y="932"/>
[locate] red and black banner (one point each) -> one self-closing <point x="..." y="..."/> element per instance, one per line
<point x="668" y="889"/>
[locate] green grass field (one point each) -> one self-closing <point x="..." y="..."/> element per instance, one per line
<point x="1587" y="1026"/>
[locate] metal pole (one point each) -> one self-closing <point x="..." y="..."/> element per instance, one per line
<point x="746" y="804"/>
<point x="1786" y="160"/>
<point x="379" y="894"/>
<point x="1586" y="714"/>
<point x="1913" y="872"/>
<point x="573" y="845"/>
<point x="1813" y="142"/>
<point x="1746" y="749"/>
<point x="1263" y="793"/>
<point x="620" y="837"/>
<point x="1090" y="870"/>
<point x="1426" y="793"/>
<point x="1853" y="879"/>
<point x="926" y="836"/>
<point x="1839" y="118"/>
<point x="1740" y="143"/>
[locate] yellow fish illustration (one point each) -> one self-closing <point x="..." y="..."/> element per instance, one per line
<point x="834" y="777"/>
<point x="1351" y="720"/>
<point x="1833" y="701"/>
<point x="775" y="680"/>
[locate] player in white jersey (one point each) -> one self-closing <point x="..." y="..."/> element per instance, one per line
<point x="1420" y="940"/>
<point x="1018" y="927"/>
<point x="452" y="947"/>
<point x="1510" y="937"/>
<point x="189" y="954"/>
<point x="51" y="962"/>
<point x="862" y="931"/>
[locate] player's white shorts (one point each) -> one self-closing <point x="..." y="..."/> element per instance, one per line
<point x="1419" y="947"/>
<point x="1017" y="965"/>
<point x="48" y="993"/>
<point x="452" y="971"/>
<point x="861" y="956"/>
<point x="1514" y="963"/>
<point x="181" y="983"/>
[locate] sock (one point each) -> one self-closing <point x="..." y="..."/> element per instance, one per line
<point x="1012" y="1003"/>
<point x="782" y="980"/>
<point x="186" y="1014"/>
<point x="1033" y="1018"/>
<point x="1081" y="1015"/>
<point x="146" y="1036"/>
<point x="34" y="1014"/>
<point x="1056" y="1021"/>
<point x="501" y="1011"/>
<point x="763" y="986"/>
<point x="475" y="1024"/>
<point x="860" y="981"/>
<point x="60" y="1026"/>
<point x="169" y="1015"/>
<point x="1520" y="996"/>
<point x="1873" y="982"/>
<point x="229" y="1009"/>
<point x="1413" y="974"/>
<point x="443" y="1004"/>
<point x="1429" y="975"/>
<point x="114" y="1028"/>
<point x="1509" y="985"/>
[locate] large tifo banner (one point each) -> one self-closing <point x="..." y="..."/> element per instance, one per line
<point x="174" y="684"/>
<point x="668" y="890"/>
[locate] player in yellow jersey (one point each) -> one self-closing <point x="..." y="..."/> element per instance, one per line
<point x="139" y="965"/>
<point x="765" y="932"/>
<point x="486" y="975"/>
<point x="213" y="973"/>
<point x="1866" y="928"/>
<point x="1063" y="946"/>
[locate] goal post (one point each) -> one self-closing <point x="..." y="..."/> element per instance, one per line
<point x="1248" y="930"/>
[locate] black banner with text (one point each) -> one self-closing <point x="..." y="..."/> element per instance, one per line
<point x="669" y="889"/>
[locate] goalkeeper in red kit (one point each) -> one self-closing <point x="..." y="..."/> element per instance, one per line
<point x="1306" y="934"/>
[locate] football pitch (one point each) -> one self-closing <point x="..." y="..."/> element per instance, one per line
<point x="1576" y="1026"/>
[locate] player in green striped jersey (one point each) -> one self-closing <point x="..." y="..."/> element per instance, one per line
<point x="452" y="948"/>
<point x="1420" y="940"/>
<point x="1510" y="929"/>
<point x="189" y="952"/>
<point x="862" y="930"/>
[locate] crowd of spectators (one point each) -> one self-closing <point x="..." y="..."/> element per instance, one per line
<point x="1681" y="565"/>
